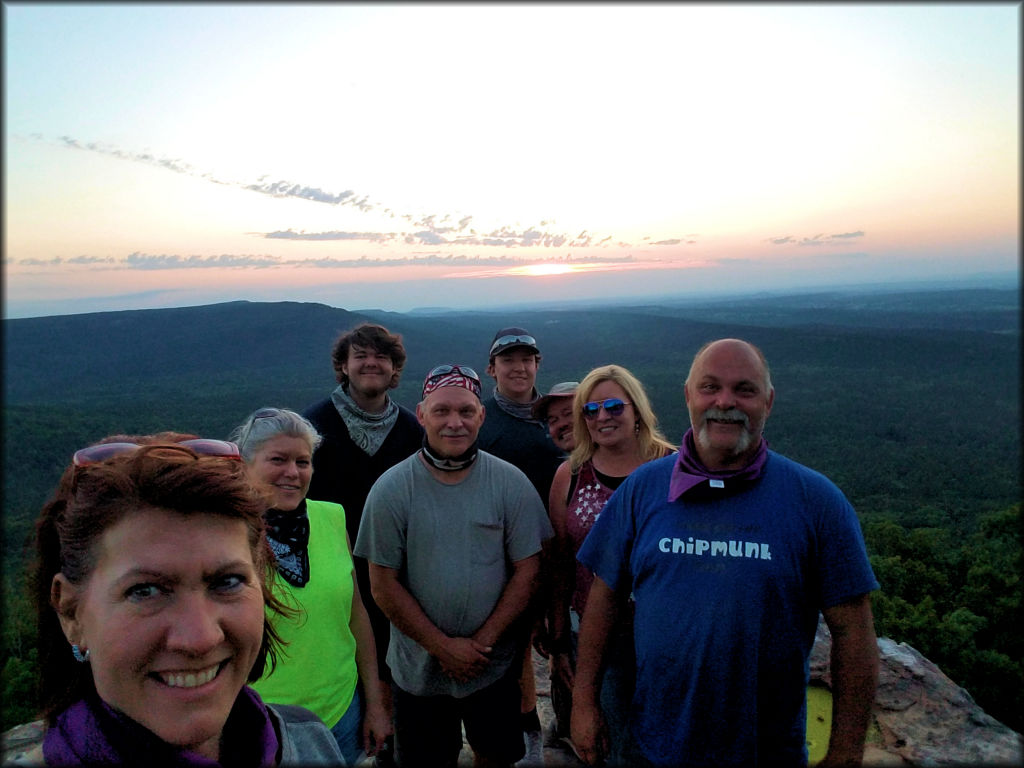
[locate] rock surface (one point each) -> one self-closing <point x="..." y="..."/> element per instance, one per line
<point x="921" y="717"/>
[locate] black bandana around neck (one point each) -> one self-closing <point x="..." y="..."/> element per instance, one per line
<point x="288" y="536"/>
<point x="453" y="464"/>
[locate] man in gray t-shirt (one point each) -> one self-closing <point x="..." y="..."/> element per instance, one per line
<point x="453" y="538"/>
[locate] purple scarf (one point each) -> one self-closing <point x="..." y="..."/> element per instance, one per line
<point x="689" y="473"/>
<point x="90" y="732"/>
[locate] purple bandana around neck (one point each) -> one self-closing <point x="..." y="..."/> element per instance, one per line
<point x="689" y="472"/>
<point x="90" y="732"/>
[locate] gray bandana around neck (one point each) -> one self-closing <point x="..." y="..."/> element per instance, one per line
<point x="518" y="410"/>
<point x="367" y="430"/>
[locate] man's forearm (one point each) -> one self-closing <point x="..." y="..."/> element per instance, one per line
<point x="403" y="610"/>
<point x="854" y="667"/>
<point x="513" y="601"/>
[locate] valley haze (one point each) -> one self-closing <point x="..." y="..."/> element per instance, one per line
<point x="504" y="293"/>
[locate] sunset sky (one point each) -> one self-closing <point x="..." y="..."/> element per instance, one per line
<point x="402" y="156"/>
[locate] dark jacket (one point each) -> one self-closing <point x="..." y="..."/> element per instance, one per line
<point x="342" y="471"/>
<point x="523" y="443"/>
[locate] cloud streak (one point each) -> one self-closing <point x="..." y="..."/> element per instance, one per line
<point x="315" y="194"/>
<point x="841" y="238"/>
<point x="288" y="234"/>
<point x="146" y="261"/>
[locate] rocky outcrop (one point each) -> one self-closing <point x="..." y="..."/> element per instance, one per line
<point x="921" y="717"/>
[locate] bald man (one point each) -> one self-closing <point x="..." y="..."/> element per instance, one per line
<point x="730" y="551"/>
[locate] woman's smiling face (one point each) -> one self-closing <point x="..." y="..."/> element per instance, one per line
<point x="172" y="616"/>
<point x="285" y="464"/>
<point x="608" y="430"/>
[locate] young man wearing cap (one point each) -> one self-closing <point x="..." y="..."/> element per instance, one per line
<point x="513" y="433"/>
<point x="453" y="536"/>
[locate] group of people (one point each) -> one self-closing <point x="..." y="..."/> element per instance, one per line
<point x="364" y="580"/>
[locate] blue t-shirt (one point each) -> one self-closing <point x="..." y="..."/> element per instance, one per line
<point x="728" y="592"/>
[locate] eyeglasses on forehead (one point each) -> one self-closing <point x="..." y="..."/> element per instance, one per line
<point x="444" y="370"/>
<point x="94" y="454"/>
<point x="613" y="406"/>
<point x="506" y="340"/>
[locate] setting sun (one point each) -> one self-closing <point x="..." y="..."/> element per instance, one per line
<point x="540" y="270"/>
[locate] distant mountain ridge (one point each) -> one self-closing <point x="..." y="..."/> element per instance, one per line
<point x="227" y="359"/>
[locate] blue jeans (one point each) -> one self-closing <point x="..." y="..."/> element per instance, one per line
<point x="618" y="681"/>
<point x="348" y="731"/>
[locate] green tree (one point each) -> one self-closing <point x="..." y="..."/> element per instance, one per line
<point x="20" y="697"/>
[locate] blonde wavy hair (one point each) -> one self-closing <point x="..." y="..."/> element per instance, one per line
<point x="653" y="444"/>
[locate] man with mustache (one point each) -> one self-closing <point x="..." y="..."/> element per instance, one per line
<point x="730" y="551"/>
<point x="453" y="536"/>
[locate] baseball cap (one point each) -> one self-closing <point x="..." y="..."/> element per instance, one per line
<point x="507" y="338"/>
<point x="562" y="389"/>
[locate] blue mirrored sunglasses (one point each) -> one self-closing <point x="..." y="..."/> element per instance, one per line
<point x="95" y="454"/>
<point x="612" y="406"/>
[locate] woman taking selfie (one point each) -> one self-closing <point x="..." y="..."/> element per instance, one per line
<point x="151" y="585"/>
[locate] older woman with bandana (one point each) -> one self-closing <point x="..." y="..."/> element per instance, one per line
<point x="330" y="662"/>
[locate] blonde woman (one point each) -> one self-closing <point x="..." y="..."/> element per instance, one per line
<point x="615" y="431"/>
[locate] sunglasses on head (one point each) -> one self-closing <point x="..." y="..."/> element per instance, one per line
<point x="612" y="406"/>
<point x="95" y="454"/>
<point x="462" y="370"/>
<point x="504" y="341"/>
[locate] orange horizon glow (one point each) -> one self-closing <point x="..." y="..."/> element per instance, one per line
<point x="542" y="270"/>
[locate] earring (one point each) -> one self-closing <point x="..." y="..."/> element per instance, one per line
<point x="77" y="653"/>
<point x="636" y="427"/>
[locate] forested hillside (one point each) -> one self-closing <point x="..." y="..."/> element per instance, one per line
<point x="908" y="401"/>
